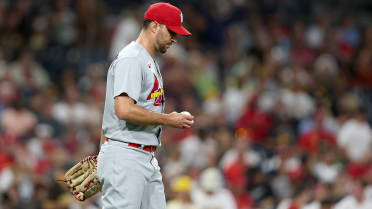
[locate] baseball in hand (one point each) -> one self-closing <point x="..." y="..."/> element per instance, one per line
<point x="187" y="113"/>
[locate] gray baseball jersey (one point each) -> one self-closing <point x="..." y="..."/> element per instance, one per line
<point x="135" y="73"/>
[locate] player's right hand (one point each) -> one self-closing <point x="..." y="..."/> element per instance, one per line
<point x="179" y="120"/>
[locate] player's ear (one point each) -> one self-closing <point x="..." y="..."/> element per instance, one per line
<point x="154" y="26"/>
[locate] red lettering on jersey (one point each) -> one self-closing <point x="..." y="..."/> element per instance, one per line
<point x="156" y="93"/>
<point x="158" y="100"/>
<point x="154" y="88"/>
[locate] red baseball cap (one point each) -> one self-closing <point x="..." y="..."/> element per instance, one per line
<point x="169" y="15"/>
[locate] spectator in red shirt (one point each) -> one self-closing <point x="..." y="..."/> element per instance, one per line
<point x="311" y="141"/>
<point x="254" y="122"/>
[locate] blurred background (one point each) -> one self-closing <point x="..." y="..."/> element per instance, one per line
<point x="281" y="91"/>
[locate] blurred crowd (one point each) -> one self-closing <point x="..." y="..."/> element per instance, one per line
<point x="281" y="91"/>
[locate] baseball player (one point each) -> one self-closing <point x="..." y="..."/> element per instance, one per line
<point x="133" y="116"/>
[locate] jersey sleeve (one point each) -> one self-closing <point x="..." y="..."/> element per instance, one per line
<point x="128" y="78"/>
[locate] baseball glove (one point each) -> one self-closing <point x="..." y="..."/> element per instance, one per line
<point x="82" y="179"/>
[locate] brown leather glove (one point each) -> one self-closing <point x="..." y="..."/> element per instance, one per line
<point x="82" y="179"/>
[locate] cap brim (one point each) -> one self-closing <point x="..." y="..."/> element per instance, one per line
<point x="179" y="30"/>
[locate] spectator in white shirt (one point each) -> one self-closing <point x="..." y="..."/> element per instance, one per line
<point x="211" y="194"/>
<point x="355" y="137"/>
<point x="356" y="200"/>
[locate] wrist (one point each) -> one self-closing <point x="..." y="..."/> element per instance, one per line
<point x="164" y="119"/>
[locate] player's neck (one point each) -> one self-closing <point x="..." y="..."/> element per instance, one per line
<point x="146" y="43"/>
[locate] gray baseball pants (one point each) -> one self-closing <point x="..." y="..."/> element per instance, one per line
<point x="130" y="178"/>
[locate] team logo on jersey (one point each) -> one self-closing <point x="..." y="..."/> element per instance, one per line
<point x="156" y="93"/>
<point x="149" y="65"/>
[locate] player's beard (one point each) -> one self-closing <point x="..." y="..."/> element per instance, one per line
<point x="163" y="48"/>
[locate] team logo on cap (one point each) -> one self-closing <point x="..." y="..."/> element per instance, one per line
<point x="181" y="15"/>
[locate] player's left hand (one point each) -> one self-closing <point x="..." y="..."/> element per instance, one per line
<point x="82" y="179"/>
